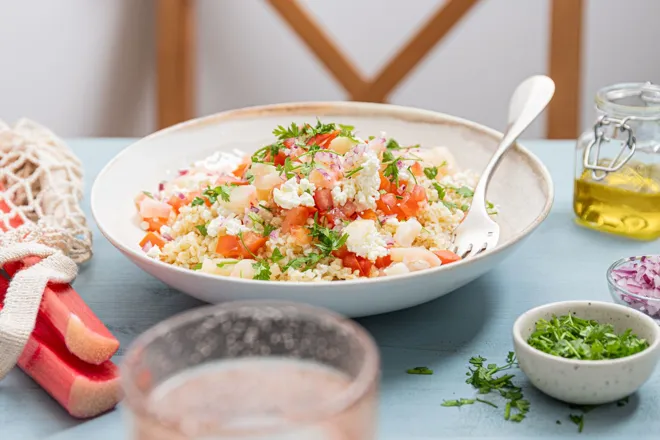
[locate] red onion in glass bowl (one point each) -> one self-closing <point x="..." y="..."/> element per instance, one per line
<point x="635" y="282"/>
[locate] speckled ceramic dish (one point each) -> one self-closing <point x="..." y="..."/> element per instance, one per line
<point x="587" y="382"/>
<point x="521" y="187"/>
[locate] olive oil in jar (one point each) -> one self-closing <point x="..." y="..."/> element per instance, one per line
<point x="626" y="202"/>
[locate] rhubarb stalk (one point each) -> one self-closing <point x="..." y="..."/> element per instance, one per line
<point x="84" y="390"/>
<point x="67" y="315"/>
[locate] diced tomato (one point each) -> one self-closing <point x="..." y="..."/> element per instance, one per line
<point x="301" y="235"/>
<point x="349" y="209"/>
<point x="447" y="257"/>
<point x="230" y="246"/>
<point x="354" y="263"/>
<point x="155" y="223"/>
<point x="350" y="260"/>
<point x="296" y="217"/>
<point x="153" y="238"/>
<point x="417" y="169"/>
<point x="289" y="143"/>
<point x="410" y="205"/>
<point x="240" y="170"/>
<point x="177" y="202"/>
<point x="341" y="252"/>
<point x="280" y="158"/>
<point x="323" y="199"/>
<point x="382" y="262"/>
<point x="323" y="140"/>
<point x="385" y="183"/>
<point x="369" y="215"/>
<point x="335" y="214"/>
<point x="365" y="266"/>
<point x="387" y="204"/>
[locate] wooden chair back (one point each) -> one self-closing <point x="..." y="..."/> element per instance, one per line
<point x="176" y="57"/>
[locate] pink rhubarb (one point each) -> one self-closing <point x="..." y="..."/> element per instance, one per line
<point x="66" y="313"/>
<point x="71" y="319"/>
<point x="84" y="390"/>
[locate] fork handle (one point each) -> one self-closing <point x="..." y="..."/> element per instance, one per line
<point x="527" y="103"/>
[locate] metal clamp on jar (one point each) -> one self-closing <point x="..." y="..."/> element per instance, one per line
<point x="617" y="180"/>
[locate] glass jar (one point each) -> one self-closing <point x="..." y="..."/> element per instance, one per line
<point x="617" y="174"/>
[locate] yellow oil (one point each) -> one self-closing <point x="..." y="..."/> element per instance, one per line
<point x="626" y="202"/>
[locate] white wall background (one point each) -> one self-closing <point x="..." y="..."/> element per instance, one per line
<point x="87" y="67"/>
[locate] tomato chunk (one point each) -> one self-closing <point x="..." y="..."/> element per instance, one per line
<point x="296" y="217"/>
<point x="155" y="223"/>
<point x="333" y="215"/>
<point x="154" y="239"/>
<point x="369" y="215"/>
<point x="323" y="140"/>
<point x="230" y="246"/>
<point x="447" y="257"/>
<point x="354" y="263"/>
<point x="323" y="199"/>
<point x="382" y="262"/>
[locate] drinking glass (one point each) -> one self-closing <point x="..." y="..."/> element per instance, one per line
<point x="252" y="370"/>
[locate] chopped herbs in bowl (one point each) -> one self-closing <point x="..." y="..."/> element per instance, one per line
<point x="635" y="282"/>
<point x="572" y="337"/>
<point x="586" y="352"/>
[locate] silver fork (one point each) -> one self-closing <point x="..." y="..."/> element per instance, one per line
<point x="478" y="232"/>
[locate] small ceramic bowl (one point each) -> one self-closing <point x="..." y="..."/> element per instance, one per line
<point x="587" y="382"/>
<point x="647" y="305"/>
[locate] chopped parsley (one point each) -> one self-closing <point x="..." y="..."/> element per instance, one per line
<point x="197" y="266"/>
<point x="391" y="170"/>
<point x="353" y="171"/>
<point x="391" y="144"/>
<point x="197" y="201"/>
<point x="226" y="263"/>
<point x="202" y="230"/>
<point x="571" y="337"/>
<point x="221" y="191"/>
<point x="578" y="420"/>
<point x="464" y="191"/>
<point x="283" y="133"/>
<point x="483" y="377"/>
<point x="261" y="270"/>
<point x="440" y="189"/>
<point x="276" y="256"/>
<point x="249" y="177"/>
<point x="329" y="240"/>
<point x="412" y="174"/>
<point x="420" y="370"/>
<point x="148" y="194"/>
<point x="431" y="172"/>
<point x="266" y="227"/>
<point x="347" y="131"/>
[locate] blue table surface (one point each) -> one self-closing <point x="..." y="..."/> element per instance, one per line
<point x="560" y="261"/>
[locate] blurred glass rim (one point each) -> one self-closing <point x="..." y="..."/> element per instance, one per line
<point x="622" y="290"/>
<point x="135" y="398"/>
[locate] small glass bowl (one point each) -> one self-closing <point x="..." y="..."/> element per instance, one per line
<point x="647" y="305"/>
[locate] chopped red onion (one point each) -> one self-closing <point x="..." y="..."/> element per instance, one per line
<point x="181" y="195"/>
<point x="183" y="172"/>
<point x="161" y="186"/>
<point x="146" y="247"/>
<point x="640" y="277"/>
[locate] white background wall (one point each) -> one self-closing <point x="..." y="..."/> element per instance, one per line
<point x="87" y="67"/>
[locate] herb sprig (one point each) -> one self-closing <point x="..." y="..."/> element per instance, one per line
<point x="485" y="379"/>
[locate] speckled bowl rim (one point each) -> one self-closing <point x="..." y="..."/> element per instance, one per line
<point x="620" y="289"/>
<point x="653" y="346"/>
<point x="330" y="108"/>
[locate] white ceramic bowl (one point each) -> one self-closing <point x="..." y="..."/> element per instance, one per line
<point x="587" y="382"/>
<point x="521" y="187"/>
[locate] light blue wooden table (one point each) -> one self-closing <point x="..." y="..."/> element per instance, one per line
<point x="559" y="262"/>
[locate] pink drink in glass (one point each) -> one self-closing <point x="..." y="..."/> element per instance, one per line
<point x="252" y="370"/>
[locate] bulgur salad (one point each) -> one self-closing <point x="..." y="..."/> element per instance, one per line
<point x="317" y="204"/>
